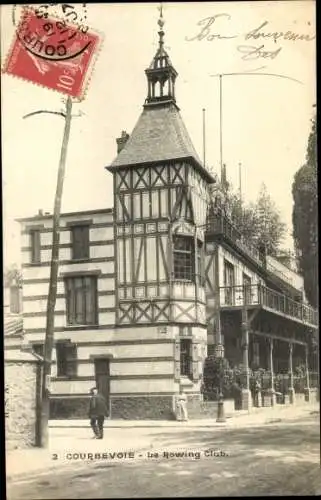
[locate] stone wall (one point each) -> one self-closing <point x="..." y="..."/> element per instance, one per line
<point x="142" y="407"/>
<point x="121" y="407"/>
<point x="21" y="403"/>
<point x="69" y="408"/>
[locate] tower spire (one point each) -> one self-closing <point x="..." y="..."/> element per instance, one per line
<point x="161" y="32"/>
<point x="161" y="74"/>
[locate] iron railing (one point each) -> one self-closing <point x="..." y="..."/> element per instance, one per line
<point x="220" y="225"/>
<point x="260" y="295"/>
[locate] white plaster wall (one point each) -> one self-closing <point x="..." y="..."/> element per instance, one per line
<point x="115" y="335"/>
<point x="142" y="368"/>
<point x="141" y="385"/>
<point x="127" y="351"/>
<point x="239" y="268"/>
<point x="116" y="386"/>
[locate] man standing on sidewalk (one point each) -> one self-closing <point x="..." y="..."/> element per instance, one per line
<point x="97" y="412"/>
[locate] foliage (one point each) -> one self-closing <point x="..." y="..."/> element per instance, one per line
<point x="218" y="372"/>
<point x="304" y="218"/>
<point x="259" y="222"/>
<point x="12" y="276"/>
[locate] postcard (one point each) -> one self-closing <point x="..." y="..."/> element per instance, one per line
<point x="160" y="249"/>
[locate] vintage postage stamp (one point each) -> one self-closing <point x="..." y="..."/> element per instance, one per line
<point x="53" y="53"/>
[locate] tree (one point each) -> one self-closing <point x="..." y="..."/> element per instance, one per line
<point x="270" y="229"/>
<point x="260" y="223"/>
<point x="304" y="218"/>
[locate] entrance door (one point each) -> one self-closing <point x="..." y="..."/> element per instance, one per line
<point x="102" y="377"/>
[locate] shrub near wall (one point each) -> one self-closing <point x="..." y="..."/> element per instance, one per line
<point x="20" y="403"/>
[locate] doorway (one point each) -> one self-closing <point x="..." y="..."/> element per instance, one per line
<point x="102" y="377"/>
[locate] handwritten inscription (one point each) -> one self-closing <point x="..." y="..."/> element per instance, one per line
<point x="276" y="35"/>
<point x="251" y="53"/>
<point x="211" y="28"/>
<point x="206" y="32"/>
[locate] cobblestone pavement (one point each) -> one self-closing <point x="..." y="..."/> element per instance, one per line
<point x="276" y="458"/>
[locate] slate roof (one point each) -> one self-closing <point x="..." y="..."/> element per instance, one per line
<point x="159" y="134"/>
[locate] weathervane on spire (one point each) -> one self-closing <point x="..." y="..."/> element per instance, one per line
<point x="161" y="21"/>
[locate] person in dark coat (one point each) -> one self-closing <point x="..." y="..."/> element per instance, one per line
<point x="97" y="412"/>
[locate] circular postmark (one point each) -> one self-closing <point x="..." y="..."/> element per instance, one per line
<point x="74" y="14"/>
<point x="55" y="32"/>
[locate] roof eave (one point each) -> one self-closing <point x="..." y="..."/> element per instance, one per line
<point x="203" y="171"/>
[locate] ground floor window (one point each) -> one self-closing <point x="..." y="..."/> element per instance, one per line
<point x="66" y="353"/>
<point x="185" y="357"/>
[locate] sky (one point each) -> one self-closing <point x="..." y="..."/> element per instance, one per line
<point x="265" y="119"/>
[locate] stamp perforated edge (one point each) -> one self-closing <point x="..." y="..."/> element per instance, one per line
<point x="86" y="80"/>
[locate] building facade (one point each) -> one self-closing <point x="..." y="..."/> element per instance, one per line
<point x="149" y="287"/>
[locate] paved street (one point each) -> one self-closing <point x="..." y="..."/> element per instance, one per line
<point x="278" y="457"/>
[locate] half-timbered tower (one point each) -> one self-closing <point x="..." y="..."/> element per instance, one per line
<point x="160" y="201"/>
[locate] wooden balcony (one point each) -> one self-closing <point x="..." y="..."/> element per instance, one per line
<point x="236" y="297"/>
<point x="220" y="226"/>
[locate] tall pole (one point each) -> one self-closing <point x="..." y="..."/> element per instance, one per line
<point x="52" y="293"/>
<point x="240" y="193"/>
<point x="240" y="181"/>
<point x="204" y="139"/>
<point x="221" y="128"/>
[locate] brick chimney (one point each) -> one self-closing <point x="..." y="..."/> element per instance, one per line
<point x="121" y="141"/>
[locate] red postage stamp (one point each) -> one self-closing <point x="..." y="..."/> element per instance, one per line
<point x="52" y="53"/>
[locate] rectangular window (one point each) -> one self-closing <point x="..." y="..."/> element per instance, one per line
<point x="80" y="242"/>
<point x="229" y="282"/>
<point x="35" y="245"/>
<point x="66" y="359"/>
<point x="185" y="357"/>
<point x="184" y="258"/>
<point x="81" y="300"/>
<point x="247" y="289"/>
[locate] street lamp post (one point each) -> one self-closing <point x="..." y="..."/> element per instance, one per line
<point x="220" y="403"/>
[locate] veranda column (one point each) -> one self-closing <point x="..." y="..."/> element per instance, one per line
<point x="307" y="390"/>
<point x="291" y="387"/>
<point x="273" y="398"/>
<point x="246" y="393"/>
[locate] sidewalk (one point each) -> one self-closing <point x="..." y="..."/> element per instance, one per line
<point x="68" y="439"/>
<point x="255" y="416"/>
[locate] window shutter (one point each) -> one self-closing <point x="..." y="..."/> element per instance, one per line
<point x="177" y="359"/>
<point x="195" y="365"/>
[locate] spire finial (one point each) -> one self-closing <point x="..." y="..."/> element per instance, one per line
<point x="161" y="21"/>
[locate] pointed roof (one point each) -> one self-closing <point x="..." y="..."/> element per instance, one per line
<point x="159" y="134"/>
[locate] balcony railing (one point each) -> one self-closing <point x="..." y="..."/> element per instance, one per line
<point x="220" y="225"/>
<point x="259" y="295"/>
